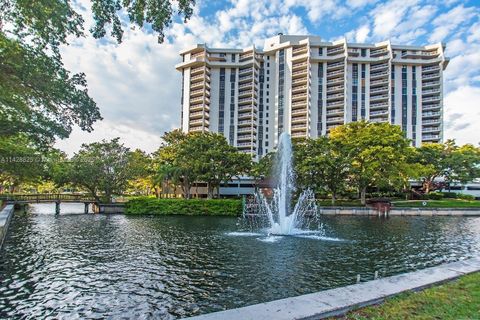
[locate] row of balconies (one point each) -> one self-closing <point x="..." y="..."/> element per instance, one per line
<point x="430" y="114"/>
<point x="428" y="137"/>
<point x="243" y="71"/>
<point x="379" y="97"/>
<point x="299" y="111"/>
<point x="335" y="88"/>
<point x="381" y="89"/>
<point x="335" y="65"/>
<point x="201" y="121"/>
<point x="426" y="84"/>
<point x="379" y="105"/>
<point x="378" y="82"/>
<point x="430" y="91"/>
<point x="430" y="107"/>
<point x="378" y="113"/>
<point x="334" y="73"/>
<point x="378" y="120"/>
<point x="431" y="68"/>
<point x="200" y="99"/>
<point x="335" y="111"/>
<point x="335" y="96"/>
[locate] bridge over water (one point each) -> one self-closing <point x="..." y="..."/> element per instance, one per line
<point x="57" y="198"/>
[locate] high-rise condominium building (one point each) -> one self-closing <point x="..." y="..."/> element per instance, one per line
<point x="305" y="86"/>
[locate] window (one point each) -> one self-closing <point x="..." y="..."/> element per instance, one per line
<point x="233" y="57"/>
<point x="320" y="51"/>
<point x="364" y="52"/>
<point x="404" y="98"/>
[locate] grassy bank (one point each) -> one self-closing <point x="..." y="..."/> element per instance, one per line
<point x="192" y="207"/>
<point x="459" y="299"/>
<point x="444" y="203"/>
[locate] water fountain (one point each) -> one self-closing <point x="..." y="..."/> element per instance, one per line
<point x="282" y="219"/>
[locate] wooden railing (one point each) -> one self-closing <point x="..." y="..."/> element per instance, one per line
<point x="44" y="197"/>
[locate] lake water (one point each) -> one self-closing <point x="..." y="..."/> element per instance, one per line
<point x="114" y="266"/>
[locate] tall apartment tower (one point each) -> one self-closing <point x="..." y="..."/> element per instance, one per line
<point x="305" y="86"/>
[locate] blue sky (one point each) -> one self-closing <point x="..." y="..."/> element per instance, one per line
<point x="138" y="89"/>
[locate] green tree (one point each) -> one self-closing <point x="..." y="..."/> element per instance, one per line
<point x="377" y="151"/>
<point x="214" y="160"/>
<point x="173" y="163"/>
<point x="102" y="168"/>
<point x="322" y="165"/>
<point x="463" y="164"/>
<point x="143" y="172"/>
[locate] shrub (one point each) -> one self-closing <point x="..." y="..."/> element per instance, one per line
<point x="433" y="196"/>
<point x="450" y="195"/>
<point x="465" y="196"/>
<point x="197" y="207"/>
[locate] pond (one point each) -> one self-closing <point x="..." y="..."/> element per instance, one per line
<point x="96" y="266"/>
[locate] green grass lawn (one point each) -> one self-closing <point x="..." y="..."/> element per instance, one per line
<point x="459" y="299"/>
<point x="444" y="203"/>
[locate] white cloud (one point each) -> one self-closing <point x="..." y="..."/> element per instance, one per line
<point x="362" y="34"/>
<point x="388" y="16"/>
<point x="462" y="113"/>
<point x="446" y="23"/>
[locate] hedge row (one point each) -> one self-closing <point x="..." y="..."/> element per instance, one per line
<point x="191" y="207"/>
<point x="447" y="195"/>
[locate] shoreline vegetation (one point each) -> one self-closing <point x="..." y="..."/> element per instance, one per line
<point x="459" y="299"/>
<point x="234" y="207"/>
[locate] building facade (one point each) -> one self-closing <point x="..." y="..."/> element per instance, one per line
<point x="305" y="86"/>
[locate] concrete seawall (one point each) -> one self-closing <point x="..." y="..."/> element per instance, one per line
<point x="5" y="217"/>
<point x="362" y="211"/>
<point x="335" y="302"/>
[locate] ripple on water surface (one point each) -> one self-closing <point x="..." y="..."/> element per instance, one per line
<point x="99" y="266"/>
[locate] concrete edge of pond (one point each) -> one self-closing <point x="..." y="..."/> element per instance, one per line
<point x="5" y="217"/>
<point x="362" y="211"/>
<point x="335" y="302"/>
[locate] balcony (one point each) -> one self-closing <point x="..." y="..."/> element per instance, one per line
<point x="246" y="56"/>
<point x="197" y="55"/>
<point x="335" y="73"/>
<point x="247" y="78"/>
<point x="378" y="120"/>
<point x="200" y="84"/>
<point x="199" y="121"/>
<point x="335" y="120"/>
<point x="299" y="119"/>
<point x="246" y="115"/>
<point x="336" y="65"/>
<point x="298" y="73"/>
<point x="419" y="54"/>
<point x="353" y="52"/>
<point x="335" y="111"/>
<point x="378" y="52"/>
<point x="199" y="100"/>
<point x="379" y="97"/>
<point x="245" y="123"/>
<point x="376" y="67"/>
<point x="431" y="76"/>
<point x="431" y="122"/>
<point x="196" y="115"/>
<point x="299" y="88"/>
<point x="245" y="137"/>
<point x="378" y="82"/>
<point x="335" y="89"/>
<point x="299" y="51"/>
<point x="378" y="74"/>
<point x="246" y="129"/>
<point x="430" y="69"/>
<point x="429" y="84"/>
<point x="299" y="134"/>
<point x="299" y="96"/>
<point x="244" y="71"/>
<point x="434" y="98"/>
<point x="427" y="107"/>
<point x="335" y="51"/>
<point x="378" y="105"/>
<point x="430" y="91"/>
<point x="245" y="108"/>
<point x="335" y="81"/>
<point x="299" y="81"/>
<point x="430" y="114"/>
<point x="300" y="111"/>
<point x="245" y="145"/>
<point x="196" y="93"/>
<point x="246" y="93"/>
<point x="199" y="106"/>
<point x="431" y="129"/>
<point x="335" y="96"/>
<point x="197" y="128"/>
<point x="335" y="103"/>
<point x="379" y="113"/>
<point x="299" y="65"/>
<point x="299" y="104"/>
<point x="199" y="70"/>
<point x="248" y="100"/>
<point x="380" y="89"/>
<point x="430" y="137"/>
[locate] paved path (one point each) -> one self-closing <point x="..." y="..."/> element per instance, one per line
<point x="340" y="300"/>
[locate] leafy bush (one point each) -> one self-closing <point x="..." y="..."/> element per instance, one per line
<point x="465" y="196"/>
<point x="450" y="195"/>
<point x="200" y="207"/>
<point x="433" y="196"/>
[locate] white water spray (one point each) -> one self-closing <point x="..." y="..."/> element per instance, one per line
<point x="282" y="218"/>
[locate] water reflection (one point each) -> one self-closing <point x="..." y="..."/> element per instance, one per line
<point x="93" y="266"/>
